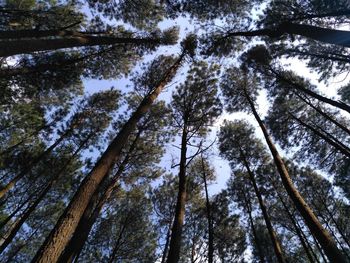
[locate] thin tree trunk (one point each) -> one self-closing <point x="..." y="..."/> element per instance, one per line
<point x="69" y="220"/>
<point x="276" y="244"/>
<point x="166" y="246"/>
<point x="336" y="144"/>
<point x="255" y="236"/>
<point x="5" y="73"/>
<point x="327" y="116"/>
<point x="337" y="104"/>
<point x="15" y="47"/>
<point x="291" y="218"/>
<point x="322" y="235"/>
<point x="116" y="246"/>
<point x="27" y="169"/>
<point x="19" y="223"/>
<point x="209" y="217"/>
<point x="176" y="232"/>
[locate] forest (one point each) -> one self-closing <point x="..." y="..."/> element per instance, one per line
<point x="175" y="131"/>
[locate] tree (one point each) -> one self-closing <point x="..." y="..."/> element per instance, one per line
<point x="243" y="87"/>
<point x="52" y="247"/>
<point x="196" y="105"/>
<point x="238" y="145"/>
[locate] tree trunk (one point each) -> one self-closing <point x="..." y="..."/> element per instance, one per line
<point x="176" y="232"/>
<point x="325" y="115"/>
<point x="15" y="47"/>
<point x="36" y="160"/>
<point x="336" y="144"/>
<point x="275" y="243"/>
<point x="93" y="210"/>
<point x="255" y="236"/>
<point x="19" y="223"/>
<point x="322" y="235"/>
<point x="209" y="217"/>
<point x="166" y="246"/>
<point x="66" y="225"/>
<point x="325" y="35"/>
<point x="292" y="220"/>
<point x="337" y="104"/>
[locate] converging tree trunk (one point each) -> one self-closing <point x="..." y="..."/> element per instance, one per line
<point x="321" y="234"/>
<point x="15" y="47"/>
<point x="325" y="35"/>
<point x="209" y="217"/>
<point x="176" y="232"/>
<point x="275" y="243"/>
<point x="59" y="237"/>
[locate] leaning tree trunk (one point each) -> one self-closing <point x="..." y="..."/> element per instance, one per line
<point x="337" y="104"/>
<point x="4" y="190"/>
<point x="15" y="47"/>
<point x="176" y="232"/>
<point x="275" y="243"/>
<point x="321" y="234"/>
<point x="93" y="210"/>
<point x="31" y="208"/>
<point x="209" y="217"/>
<point x="255" y="235"/>
<point x="325" y="35"/>
<point x="292" y="220"/>
<point x="69" y="220"/>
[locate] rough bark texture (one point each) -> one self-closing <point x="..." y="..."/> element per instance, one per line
<point x="321" y="234"/>
<point x="176" y="232"/>
<point x="59" y="237"/>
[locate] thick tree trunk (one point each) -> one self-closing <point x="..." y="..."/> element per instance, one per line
<point x="209" y="217"/>
<point x="325" y="35"/>
<point x="15" y="47"/>
<point x="69" y="220"/>
<point x="93" y="210"/>
<point x="176" y="232"/>
<point x="275" y="243"/>
<point x="322" y="235"/>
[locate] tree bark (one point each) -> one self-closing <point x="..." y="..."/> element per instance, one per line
<point x="255" y="236"/>
<point x="209" y="217"/>
<point x="176" y="232"/>
<point x="275" y="243"/>
<point x="69" y="220"/>
<point x="15" y="47"/>
<point x="325" y="115"/>
<point x="325" y="35"/>
<point x="292" y="220"/>
<point x="93" y="210"/>
<point x="322" y="235"/>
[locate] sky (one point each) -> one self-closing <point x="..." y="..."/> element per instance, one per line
<point x="172" y="152"/>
